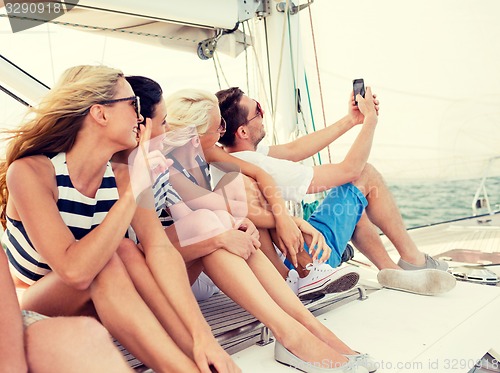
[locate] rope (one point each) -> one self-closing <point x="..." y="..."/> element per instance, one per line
<point x="271" y="97"/>
<point x="216" y="55"/>
<point x="312" y="116"/>
<point x="217" y="73"/>
<point x="246" y="58"/>
<point x="259" y="70"/>
<point x="275" y="108"/>
<point x="104" y="45"/>
<point x="294" y="72"/>
<point x="51" y="55"/>
<point x="319" y="79"/>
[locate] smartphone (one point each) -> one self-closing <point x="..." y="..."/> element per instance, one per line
<point x="358" y="86"/>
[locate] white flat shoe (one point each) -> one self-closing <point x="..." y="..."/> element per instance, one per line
<point x="364" y="360"/>
<point x="283" y="356"/>
<point x="423" y="281"/>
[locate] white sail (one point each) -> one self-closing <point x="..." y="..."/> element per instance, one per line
<point x="433" y="66"/>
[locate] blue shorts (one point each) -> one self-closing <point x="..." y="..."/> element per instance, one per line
<point x="337" y="216"/>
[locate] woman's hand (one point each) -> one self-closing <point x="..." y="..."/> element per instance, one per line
<point x="246" y="225"/>
<point x="238" y="242"/>
<point x="290" y="240"/>
<point x="207" y="352"/>
<point x="145" y="166"/>
<point x="315" y="241"/>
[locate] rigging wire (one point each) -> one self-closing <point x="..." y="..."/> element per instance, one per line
<point x="104" y="48"/>
<point x="14" y="96"/>
<point x="280" y="65"/>
<point x="216" y="54"/>
<point x="257" y="59"/>
<point x="273" y="112"/>
<point x="295" y="73"/>
<point x="246" y="58"/>
<point x="217" y="73"/>
<point x="312" y="116"/>
<point x="51" y="55"/>
<point x="293" y="67"/>
<point x="319" y="79"/>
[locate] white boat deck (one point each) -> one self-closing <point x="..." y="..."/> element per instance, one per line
<point x="404" y="332"/>
<point x="411" y="333"/>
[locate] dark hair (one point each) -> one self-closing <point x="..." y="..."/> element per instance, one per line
<point x="149" y="91"/>
<point x="232" y="112"/>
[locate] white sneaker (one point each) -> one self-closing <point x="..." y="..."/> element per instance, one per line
<point x="292" y="280"/>
<point x="323" y="279"/>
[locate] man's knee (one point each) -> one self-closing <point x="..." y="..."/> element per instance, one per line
<point x="369" y="178"/>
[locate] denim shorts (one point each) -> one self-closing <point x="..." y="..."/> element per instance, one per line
<point x="30" y="317"/>
<point x="337" y="216"/>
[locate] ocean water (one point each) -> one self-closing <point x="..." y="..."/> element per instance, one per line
<point x="427" y="203"/>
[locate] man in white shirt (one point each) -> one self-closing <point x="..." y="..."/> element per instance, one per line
<point x="358" y="200"/>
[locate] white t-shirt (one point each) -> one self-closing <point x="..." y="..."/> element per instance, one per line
<point x="292" y="178"/>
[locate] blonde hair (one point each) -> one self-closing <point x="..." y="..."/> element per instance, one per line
<point x="58" y="118"/>
<point x="190" y="107"/>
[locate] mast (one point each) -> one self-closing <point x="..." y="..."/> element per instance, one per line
<point x="281" y="50"/>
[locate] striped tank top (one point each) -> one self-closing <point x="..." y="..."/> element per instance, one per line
<point x="80" y="213"/>
<point x="165" y="196"/>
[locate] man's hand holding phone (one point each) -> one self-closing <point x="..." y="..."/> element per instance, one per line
<point x="358" y="86"/>
<point x="368" y="107"/>
<point x="360" y="93"/>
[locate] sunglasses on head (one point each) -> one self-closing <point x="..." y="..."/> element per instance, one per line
<point x="136" y="102"/>
<point x="221" y="129"/>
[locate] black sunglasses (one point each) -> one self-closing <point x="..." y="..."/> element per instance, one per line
<point x="259" y="111"/>
<point x="136" y="102"/>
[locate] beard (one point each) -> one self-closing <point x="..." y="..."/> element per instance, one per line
<point x="258" y="137"/>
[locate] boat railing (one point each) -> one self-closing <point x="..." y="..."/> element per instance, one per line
<point x="481" y="199"/>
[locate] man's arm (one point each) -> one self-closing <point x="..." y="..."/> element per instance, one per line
<point x="289" y="236"/>
<point x="308" y="145"/>
<point x="327" y="176"/>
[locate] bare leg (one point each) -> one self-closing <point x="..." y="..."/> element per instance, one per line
<point x="268" y="249"/>
<point x="245" y="289"/>
<point x="119" y="307"/>
<point x="384" y="213"/>
<point x="367" y="240"/>
<point x="149" y="290"/>
<point x="289" y="302"/>
<point x="129" y="320"/>
<point x="77" y="344"/>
